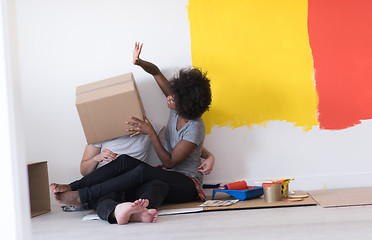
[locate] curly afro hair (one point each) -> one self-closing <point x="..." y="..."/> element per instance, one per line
<point x="192" y="93"/>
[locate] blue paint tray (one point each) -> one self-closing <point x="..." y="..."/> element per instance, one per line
<point x="250" y="193"/>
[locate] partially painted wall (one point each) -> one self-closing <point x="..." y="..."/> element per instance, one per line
<point x="262" y="56"/>
<point x="267" y="119"/>
<point x="258" y="55"/>
<point x="340" y="36"/>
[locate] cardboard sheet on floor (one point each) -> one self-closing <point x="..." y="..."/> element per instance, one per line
<point x="192" y="207"/>
<point x="343" y="197"/>
<point x="253" y="203"/>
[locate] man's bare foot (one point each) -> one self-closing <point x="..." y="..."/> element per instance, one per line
<point x="126" y="212"/>
<point x="58" y="188"/>
<point x="147" y="216"/>
<point x="71" y="198"/>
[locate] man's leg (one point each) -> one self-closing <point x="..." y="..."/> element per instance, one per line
<point x="112" y="209"/>
<point x="181" y="187"/>
<point x="106" y="205"/>
<point x="125" y="182"/>
<point x="117" y="167"/>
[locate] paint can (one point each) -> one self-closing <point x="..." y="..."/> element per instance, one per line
<point x="285" y="186"/>
<point x="285" y="183"/>
<point x="272" y="192"/>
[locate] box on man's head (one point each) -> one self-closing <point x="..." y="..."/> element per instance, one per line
<point x="104" y="107"/>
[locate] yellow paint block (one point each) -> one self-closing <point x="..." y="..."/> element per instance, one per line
<point x="258" y="57"/>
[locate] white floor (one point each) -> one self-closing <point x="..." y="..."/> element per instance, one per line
<point x="312" y="222"/>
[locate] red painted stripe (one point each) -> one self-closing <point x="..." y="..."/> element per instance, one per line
<point x="340" y="34"/>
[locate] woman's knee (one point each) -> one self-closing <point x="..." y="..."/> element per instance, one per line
<point x="137" y="174"/>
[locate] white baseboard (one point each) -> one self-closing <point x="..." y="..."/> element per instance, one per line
<point x="316" y="182"/>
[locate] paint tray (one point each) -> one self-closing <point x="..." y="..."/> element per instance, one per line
<point x="250" y="193"/>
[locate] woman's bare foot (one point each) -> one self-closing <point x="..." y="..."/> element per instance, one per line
<point x="136" y="212"/>
<point x="147" y="216"/>
<point x="71" y="198"/>
<point x="58" y="188"/>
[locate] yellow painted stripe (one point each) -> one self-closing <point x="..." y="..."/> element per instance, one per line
<point x="258" y="57"/>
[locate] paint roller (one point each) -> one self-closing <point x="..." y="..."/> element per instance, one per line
<point x="239" y="185"/>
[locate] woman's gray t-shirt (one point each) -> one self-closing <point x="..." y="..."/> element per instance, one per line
<point x="193" y="131"/>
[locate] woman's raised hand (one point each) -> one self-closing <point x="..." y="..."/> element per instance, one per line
<point x="140" y="127"/>
<point x="136" y="52"/>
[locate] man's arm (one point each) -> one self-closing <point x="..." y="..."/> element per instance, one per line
<point x="92" y="157"/>
<point x="151" y="69"/>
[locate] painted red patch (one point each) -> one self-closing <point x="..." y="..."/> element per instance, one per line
<point x="340" y="34"/>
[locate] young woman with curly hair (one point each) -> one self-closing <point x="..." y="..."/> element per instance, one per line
<point x="181" y="175"/>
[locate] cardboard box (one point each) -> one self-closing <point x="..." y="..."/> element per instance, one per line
<point x="106" y="105"/>
<point x="38" y="183"/>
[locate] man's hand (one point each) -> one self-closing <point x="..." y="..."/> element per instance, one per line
<point x="137" y="52"/>
<point x="105" y="155"/>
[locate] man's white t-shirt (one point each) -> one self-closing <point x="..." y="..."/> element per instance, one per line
<point x="136" y="147"/>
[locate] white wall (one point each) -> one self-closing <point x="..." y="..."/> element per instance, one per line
<point x="15" y="223"/>
<point x="315" y="159"/>
<point x="66" y="43"/>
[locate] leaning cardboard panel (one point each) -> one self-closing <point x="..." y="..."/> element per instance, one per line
<point x="38" y="182"/>
<point x="106" y="105"/>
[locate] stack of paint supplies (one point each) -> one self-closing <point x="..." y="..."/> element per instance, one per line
<point x="273" y="191"/>
<point x="277" y="190"/>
